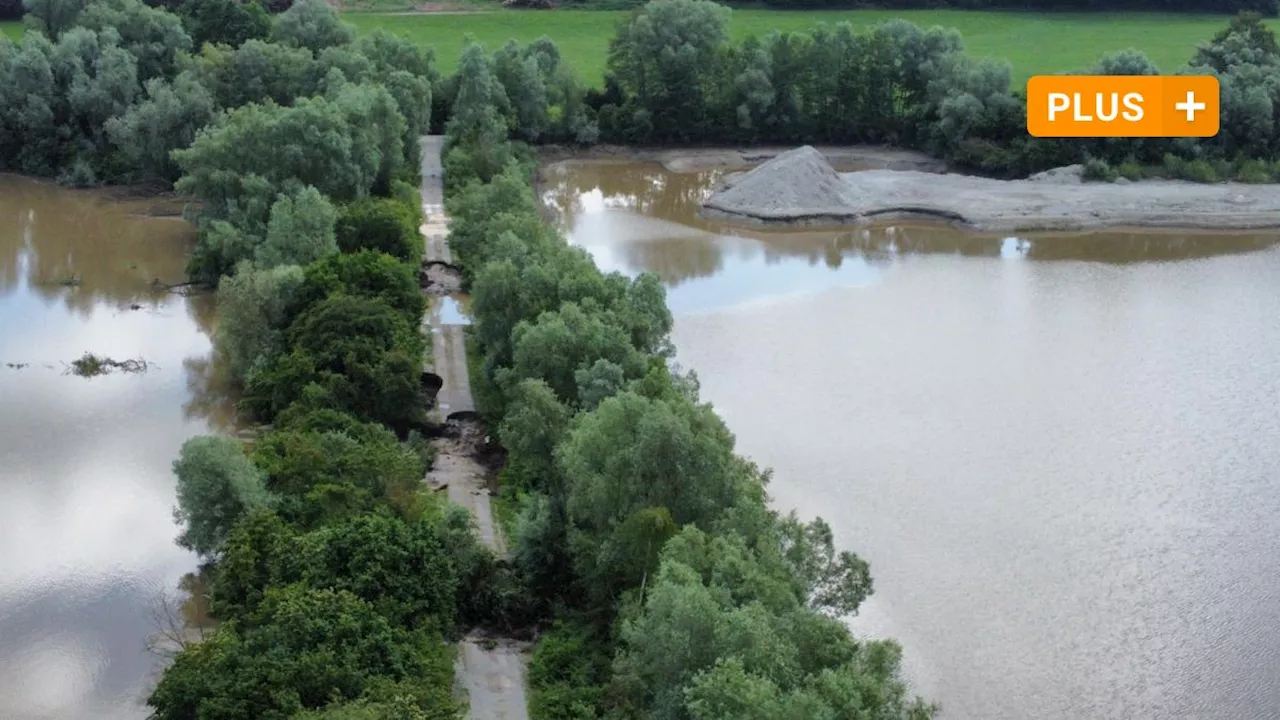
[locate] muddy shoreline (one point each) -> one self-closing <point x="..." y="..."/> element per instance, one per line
<point x="902" y="185"/>
<point x="694" y="159"/>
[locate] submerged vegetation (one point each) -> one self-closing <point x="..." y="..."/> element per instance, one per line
<point x="90" y="365"/>
<point x="644" y="550"/>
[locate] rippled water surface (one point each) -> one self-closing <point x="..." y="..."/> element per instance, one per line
<point x="1061" y="455"/>
<point x="86" y="492"/>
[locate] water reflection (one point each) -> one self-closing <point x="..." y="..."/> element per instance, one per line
<point x="1063" y="474"/>
<point x="86" y="492"/>
<point x="638" y="216"/>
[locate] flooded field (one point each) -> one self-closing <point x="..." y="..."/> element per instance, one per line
<point x="1060" y="455"/>
<point x="86" y="492"/>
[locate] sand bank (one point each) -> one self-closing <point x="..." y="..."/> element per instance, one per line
<point x="795" y="188"/>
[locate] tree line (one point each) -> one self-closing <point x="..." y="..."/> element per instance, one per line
<point x="338" y="585"/>
<point x="644" y="545"/>
<point x="672" y="589"/>
<point x="675" y="77"/>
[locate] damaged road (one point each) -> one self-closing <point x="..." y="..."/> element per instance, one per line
<point x="489" y="673"/>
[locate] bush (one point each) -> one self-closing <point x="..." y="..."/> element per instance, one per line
<point x="1201" y="171"/>
<point x="1130" y="170"/>
<point x="1254" y="171"/>
<point x="1096" y="170"/>
<point x="381" y="224"/>
<point x="564" y="673"/>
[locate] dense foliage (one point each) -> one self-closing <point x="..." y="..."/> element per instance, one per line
<point x="644" y="543"/>
<point x="675" y="77"/>
<point x="338" y="584"/>
<point x="680" y="593"/>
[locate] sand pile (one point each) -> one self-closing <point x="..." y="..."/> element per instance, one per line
<point x="797" y="185"/>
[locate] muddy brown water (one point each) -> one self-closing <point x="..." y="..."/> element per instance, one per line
<point x="1060" y="455"/>
<point x="86" y="491"/>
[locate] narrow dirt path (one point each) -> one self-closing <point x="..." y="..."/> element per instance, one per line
<point x="490" y="672"/>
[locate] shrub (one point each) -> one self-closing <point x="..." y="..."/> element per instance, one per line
<point x="381" y="224"/>
<point x="1201" y="171"/>
<point x="1096" y="170"/>
<point x="1254" y="171"/>
<point x="1130" y="170"/>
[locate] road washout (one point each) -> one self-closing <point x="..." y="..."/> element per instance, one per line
<point x="797" y="188"/>
<point x="488" y="671"/>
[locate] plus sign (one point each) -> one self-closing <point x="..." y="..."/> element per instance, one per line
<point x="1190" y="106"/>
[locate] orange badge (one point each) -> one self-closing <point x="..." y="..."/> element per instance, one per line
<point x="1122" y="106"/>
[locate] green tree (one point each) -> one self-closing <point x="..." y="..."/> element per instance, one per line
<point x="558" y="344"/>
<point x="478" y="127"/>
<point x="312" y="24"/>
<point x="217" y="485"/>
<point x="365" y="274"/>
<point x="1245" y="41"/>
<point x="253" y="310"/>
<point x="283" y="148"/>
<point x="225" y="22"/>
<point x="29" y="140"/>
<point x="254" y="72"/>
<point x="302" y="649"/>
<point x="664" y="57"/>
<point x="300" y="231"/>
<point x="534" y="424"/>
<point x="326" y="476"/>
<point x="832" y="582"/>
<point x="404" y="570"/>
<point x="261" y="552"/>
<point x="155" y="37"/>
<point x="52" y="17"/>
<point x="166" y="120"/>
<point x="633" y="453"/>
<point x="381" y="224"/>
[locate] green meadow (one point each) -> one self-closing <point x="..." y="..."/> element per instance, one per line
<point x="1032" y="42"/>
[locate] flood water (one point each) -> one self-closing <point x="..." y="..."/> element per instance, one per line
<point x="1061" y="457"/>
<point x="86" y="491"/>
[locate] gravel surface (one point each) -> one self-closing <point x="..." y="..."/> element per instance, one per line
<point x="795" y="188"/>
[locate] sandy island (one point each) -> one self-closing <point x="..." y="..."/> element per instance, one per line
<point x="800" y="187"/>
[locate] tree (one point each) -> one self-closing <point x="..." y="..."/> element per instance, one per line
<point x="325" y="476"/>
<point x="225" y="22"/>
<point x="253" y="310"/>
<point x="1245" y="41"/>
<point x="477" y="128"/>
<point x="166" y="120"/>
<point x="285" y="148"/>
<point x="664" y="57"/>
<point x="299" y="232"/>
<point x="365" y="274"/>
<point x="602" y="380"/>
<point x="254" y="72"/>
<point x="404" y="570"/>
<point x="217" y="485"/>
<point x="834" y="583"/>
<point x="534" y="424"/>
<point x="261" y="552"/>
<point x="153" y="36"/>
<point x="303" y="649"/>
<point x="520" y="74"/>
<point x="312" y="24"/>
<point x="52" y="17"/>
<point x="381" y="224"/>
<point x="558" y="344"/>
<point x="376" y="128"/>
<point x="632" y="453"/>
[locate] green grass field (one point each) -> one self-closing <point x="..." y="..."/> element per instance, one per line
<point x="1032" y="42"/>
<point x="12" y="29"/>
